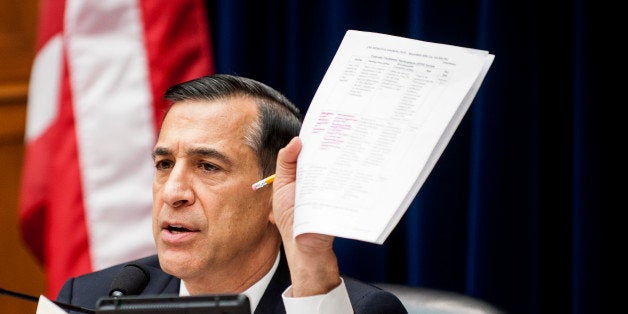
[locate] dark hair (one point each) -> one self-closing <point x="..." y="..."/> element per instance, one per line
<point x="279" y="120"/>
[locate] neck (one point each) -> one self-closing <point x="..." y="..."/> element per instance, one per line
<point x="237" y="275"/>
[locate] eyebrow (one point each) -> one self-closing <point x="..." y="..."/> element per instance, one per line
<point x="197" y="151"/>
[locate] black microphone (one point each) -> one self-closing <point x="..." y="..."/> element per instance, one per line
<point x="35" y="299"/>
<point x="131" y="280"/>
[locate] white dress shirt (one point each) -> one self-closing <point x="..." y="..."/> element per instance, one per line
<point x="336" y="301"/>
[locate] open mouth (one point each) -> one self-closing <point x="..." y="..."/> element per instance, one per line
<point x="177" y="229"/>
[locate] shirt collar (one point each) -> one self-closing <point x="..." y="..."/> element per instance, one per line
<point x="254" y="293"/>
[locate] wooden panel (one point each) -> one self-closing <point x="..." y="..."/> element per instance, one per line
<point x="17" y="39"/>
<point x="12" y="112"/>
<point x="19" y="271"/>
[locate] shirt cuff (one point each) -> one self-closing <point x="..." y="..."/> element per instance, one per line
<point x="335" y="301"/>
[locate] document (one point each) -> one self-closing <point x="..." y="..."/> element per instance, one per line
<point x="45" y="306"/>
<point x="378" y="123"/>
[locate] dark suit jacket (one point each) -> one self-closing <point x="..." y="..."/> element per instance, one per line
<point x="84" y="291"/>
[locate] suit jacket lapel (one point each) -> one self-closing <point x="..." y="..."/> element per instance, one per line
<point x="271" y="301"/>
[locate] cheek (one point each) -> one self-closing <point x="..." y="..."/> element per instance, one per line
<point x="157" y="204"/>
<point x="156" y="210"/>
<point x="239" y="214"/>
<point x="155" y="190"/>
<point x="155" y="225"/>
<point x="255" y="213"/>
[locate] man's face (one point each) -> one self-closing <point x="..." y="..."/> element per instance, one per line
<point x="206" y="217"/>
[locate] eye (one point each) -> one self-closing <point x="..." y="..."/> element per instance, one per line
<point x="163" y="164"/>
<point x="207" y="166"/>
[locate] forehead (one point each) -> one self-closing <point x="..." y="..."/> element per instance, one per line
<point x="201" y="122"/>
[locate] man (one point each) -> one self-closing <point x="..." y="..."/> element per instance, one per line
<point x="213" y="232"/>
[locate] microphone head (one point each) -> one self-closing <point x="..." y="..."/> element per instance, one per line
<point x="131" y="280"/>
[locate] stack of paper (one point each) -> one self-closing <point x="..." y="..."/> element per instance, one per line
<point x="380" y="119"/>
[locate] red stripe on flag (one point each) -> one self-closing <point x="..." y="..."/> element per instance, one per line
<point x="50" y="21"/>
<point x="33" y="192"/>
<point x="177" y="45"/>
<point x="35" y="170"/>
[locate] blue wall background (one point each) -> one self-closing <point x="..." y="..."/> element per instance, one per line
<point x="518" y="209"/>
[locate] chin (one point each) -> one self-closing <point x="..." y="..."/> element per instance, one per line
<point x="178" y="264"/>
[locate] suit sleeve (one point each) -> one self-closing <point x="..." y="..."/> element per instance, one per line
<point x="65" y="294"/>
<point x="379" y="302"/>
<point x="366" y="299"/>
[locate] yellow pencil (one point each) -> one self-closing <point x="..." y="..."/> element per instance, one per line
<point x="262" y="183"/>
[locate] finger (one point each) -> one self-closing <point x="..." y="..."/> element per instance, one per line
<point x="287" y="163"/>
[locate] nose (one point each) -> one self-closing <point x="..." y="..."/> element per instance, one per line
<point x="177" y="190"/>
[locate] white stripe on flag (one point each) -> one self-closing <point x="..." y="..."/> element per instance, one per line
<point x="43" y="94"/>
<point x="114" y="125"/>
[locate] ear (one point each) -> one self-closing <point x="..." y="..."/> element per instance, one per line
<point x="271" y="214"/>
